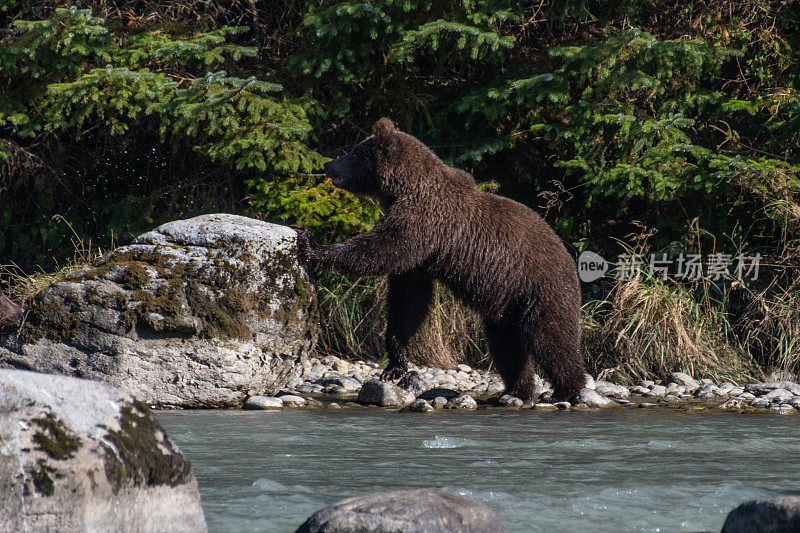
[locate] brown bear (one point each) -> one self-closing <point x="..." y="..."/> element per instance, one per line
<point x="495" y="254"/>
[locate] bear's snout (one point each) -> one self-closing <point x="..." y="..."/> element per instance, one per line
<point x="332" y="170"/>
<point x="337" y="170"/>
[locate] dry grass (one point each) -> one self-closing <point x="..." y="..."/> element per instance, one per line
<point x="353" y="325"/>
<point x="21" y="286"/>
<point x="648" y="329"/>
<point x="768" y="326"/>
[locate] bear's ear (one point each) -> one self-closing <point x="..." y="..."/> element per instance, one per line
<point x="384" y="132"/>
<point x="383" y="127"/>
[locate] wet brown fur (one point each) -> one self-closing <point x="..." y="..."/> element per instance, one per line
<point x="496" y="254"/>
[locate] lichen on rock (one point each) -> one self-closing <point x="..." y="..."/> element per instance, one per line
<point x="54" y="438"/>
<point x="144" y="454"/>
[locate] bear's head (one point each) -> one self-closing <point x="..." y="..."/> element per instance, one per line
<point x="382" y="165"/>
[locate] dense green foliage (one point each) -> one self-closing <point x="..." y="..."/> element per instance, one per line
<point x="680" y="121"/>
<point x="72" y="79"/>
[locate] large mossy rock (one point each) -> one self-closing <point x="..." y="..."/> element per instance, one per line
<point x="197" y="313"/>
<point x="77" y="455"/>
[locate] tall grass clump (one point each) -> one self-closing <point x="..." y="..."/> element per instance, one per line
<point x="648" y="328"/>
<point x="767" y="324"/>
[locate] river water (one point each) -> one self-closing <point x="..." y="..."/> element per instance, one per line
<point x="611" y="470"/>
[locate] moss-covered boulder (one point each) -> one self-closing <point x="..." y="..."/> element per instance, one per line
<point x="79" y="455"/>
<point x="196" y="313"/>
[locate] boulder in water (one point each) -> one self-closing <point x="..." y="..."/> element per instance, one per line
<point x="409" y="511"/>
<point x="79" y="455"/>
<point x="767" y="515"/>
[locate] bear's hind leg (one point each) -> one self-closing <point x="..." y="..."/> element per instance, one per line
<point x="407" y="304"/>
<point x="506" y="346"/>
<point x="555" y="347"/>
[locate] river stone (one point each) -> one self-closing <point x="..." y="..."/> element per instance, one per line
<point x="591" y="398"/>
<point x="79" y="455"/>
<point x="345" y="383"/>
<point x="508" y="400"/>
<point x="431" y="394"/>
<point x="197" y="313"/>
<point x="778" y="396"/>
<point x="413" y="382"/>
<point x="684" y="379"/>
<point x="767" y="515"/>
<point x="420" y="406"/>
<point x="732" y="403"/>
<point x="480" y="388"/>
<point x="708" y="390"/>
<point x="381" y="393"/>
<point x="612" y="389"/>
<point x="760" y="402"/>
<point x="495" y="387"/>
<point x="263" y="402"/>
<point x="439" y="402"/>
<point x="292" y="400"/>
<point x="309" y="388"/>
<point x="656" y="390"/>
<point x="464" y="401"/>
<point x="541" y="387"/>
<point x="357" y="376"/>
<point x="446" y="379"/>
<point x="763" y="388"/>
<point x="406" y="511"/>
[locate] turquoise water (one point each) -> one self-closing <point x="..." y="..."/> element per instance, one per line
<point x="611" y="470"/>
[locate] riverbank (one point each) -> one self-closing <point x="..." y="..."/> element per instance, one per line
<point x="331" y="382"/>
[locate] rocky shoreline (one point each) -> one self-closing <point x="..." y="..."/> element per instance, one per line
<point x="333" y="382"/>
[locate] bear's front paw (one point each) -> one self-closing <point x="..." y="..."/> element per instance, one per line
<point x="393" y="373"/>
<point x="303" y="240"/>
